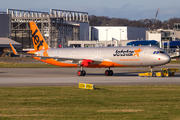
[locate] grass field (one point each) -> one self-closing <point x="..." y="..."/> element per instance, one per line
<point x="175" y="62"/>
<point x="104" y="103"/>
<point x="25" y="65"/>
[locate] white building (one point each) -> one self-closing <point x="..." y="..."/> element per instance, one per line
<point x="100" y="36"/>
<point x="119" y="33"/>
<point x="162" y="35"/>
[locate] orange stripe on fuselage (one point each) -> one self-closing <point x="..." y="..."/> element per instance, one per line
<point x="101" y="65"/>
<point x="56" y="63"/>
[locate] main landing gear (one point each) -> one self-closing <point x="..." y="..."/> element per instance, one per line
<point x="109" y="72"/>
<point x="81" y="72"/>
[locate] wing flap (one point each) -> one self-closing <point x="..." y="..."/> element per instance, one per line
<point x="80" y="61"/>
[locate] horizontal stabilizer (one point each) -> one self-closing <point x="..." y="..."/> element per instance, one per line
<point x="13" y="49"/>
<point x="22" y="53"/>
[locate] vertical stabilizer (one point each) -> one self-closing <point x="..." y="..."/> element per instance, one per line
<point x="38" y="40"/>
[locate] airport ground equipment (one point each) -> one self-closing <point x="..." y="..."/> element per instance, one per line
<point x="165" y="72"/>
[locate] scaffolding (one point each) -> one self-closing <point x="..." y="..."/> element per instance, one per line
<point x="57" y="28"/>
<point x="67" y="15"/>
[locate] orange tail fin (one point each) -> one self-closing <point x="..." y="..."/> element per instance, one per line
<point x="38" y="40"/>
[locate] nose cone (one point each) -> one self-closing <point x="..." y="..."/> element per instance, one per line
<point x="165" y="59"/>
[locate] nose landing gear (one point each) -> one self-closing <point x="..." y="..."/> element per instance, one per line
<point x="153" y="74"/>
<point x="83" y="72"/>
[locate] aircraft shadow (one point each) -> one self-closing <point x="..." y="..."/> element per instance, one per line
<point x="115" y="74"/>
<point x="3" y="72"/>
<point x="124" y="74"/>
<point x="176" y="75"/>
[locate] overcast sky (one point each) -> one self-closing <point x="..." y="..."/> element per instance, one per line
<point x="130" y="9"/>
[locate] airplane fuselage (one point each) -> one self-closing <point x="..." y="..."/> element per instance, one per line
<point x="110" y="56"/>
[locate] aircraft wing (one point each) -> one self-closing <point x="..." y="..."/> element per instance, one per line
<point x="79" y="61"/>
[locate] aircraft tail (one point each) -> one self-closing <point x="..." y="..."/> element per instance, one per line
<point x="38" y="40"/>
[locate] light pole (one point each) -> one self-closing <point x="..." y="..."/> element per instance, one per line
<point x="120" y="36"/>
<point x="106" y="36"/>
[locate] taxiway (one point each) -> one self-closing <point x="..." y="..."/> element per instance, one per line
<point x="21" y="77"/>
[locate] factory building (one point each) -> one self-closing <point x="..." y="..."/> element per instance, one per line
<point x="118" y="33"/>
<point x="168" y="39"/>
<point x="111" y="36"/>
<point x="5" y="30"/>
<point x="164" y="35"/>
<point x="57" y="27"/>
<point x="64" y="28"/>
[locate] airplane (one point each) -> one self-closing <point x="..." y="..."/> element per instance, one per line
<point x="95" y="57"/>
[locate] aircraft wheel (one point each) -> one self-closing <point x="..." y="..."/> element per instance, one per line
<point x="83" y="72"/>
<point x="107" y="72"/>
<point x="111" y="73"/>
<point x="79" y="73"/>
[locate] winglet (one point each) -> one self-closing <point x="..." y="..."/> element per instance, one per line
<point x="13" y="49"/>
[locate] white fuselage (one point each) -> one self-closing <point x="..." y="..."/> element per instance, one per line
<point x="128" y="55"/>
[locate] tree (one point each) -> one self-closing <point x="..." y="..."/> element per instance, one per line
<point x="144" y="23"/>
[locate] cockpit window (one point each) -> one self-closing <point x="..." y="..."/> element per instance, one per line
<point x="162" y="52"/>
<point x="157" y="52"/>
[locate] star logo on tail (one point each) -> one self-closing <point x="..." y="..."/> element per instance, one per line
<point x="137" y="52"/>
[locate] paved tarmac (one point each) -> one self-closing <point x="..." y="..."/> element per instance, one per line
<point x="23" y="77"/>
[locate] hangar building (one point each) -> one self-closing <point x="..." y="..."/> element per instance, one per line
<point x="57" y="27"/>
<point x="118" y="33"/>
<point x="5" y="29"/>
<point x="102" y="36"/>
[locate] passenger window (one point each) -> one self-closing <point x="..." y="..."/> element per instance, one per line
<point x="154" y="52"/>
<point x="157" y="52"/>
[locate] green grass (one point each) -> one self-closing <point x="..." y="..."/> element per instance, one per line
<point x="25" y="65"/>
<point x="17" y="59"/>
<point x="175" y="62"/>
<point x="105" y="103"/>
